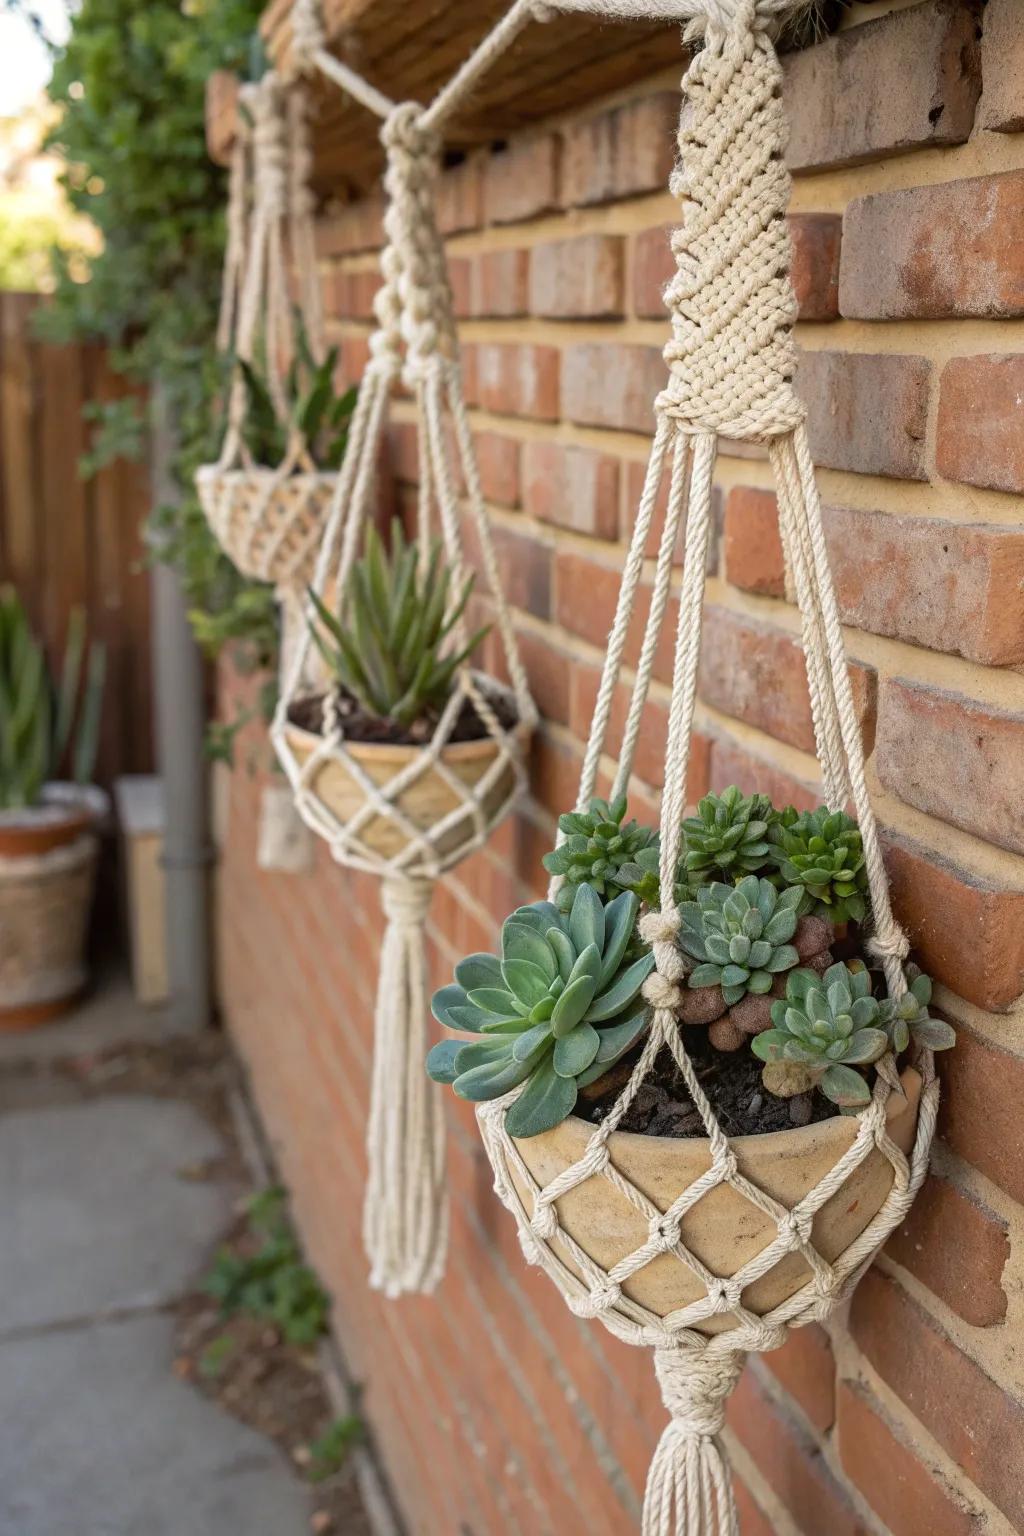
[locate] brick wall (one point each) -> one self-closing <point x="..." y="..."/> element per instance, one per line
<point x="496" y="1411"/>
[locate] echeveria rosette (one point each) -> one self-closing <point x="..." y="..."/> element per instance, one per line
<point x="740" y="936"/>
<point x="597" y="846"/>
<point x="909" y="1018"/>
<point x="560" y="1005"/>
<point x="822" y="1031"/>
<point x="727" y="839"/>
<point x="822" y="851"/>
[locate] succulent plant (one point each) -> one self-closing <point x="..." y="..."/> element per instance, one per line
<point x="822" y="851"/>
<point x="824" y="1028"/>
<point x="909" y="1019"/>
<point x="387" y="649"/>
<point x="727" y="839"/>
<point x="555" y="1010"/>
<point x="44" y="723"/>
<point x="596" y="850"/>
<point x="740" y="935"/>
<point x="315" y="410"/>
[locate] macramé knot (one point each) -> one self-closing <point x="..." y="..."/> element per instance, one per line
<point x="662" y="993"/>
<point x="893" y="945"/>
<point x="403" y="130"/>
<point x="270" y="148"/>
<point x="307" y="33"/>
<point x="405" y="901"/>
<point x="695" y="1387"/>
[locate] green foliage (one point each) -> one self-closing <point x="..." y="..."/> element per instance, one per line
<point x="824" y="1028"/>
<point x="558" y="1008"/>
<point x="740" y="935"/>
<point x="45" y="723"/>
<point x="388" y="649"/>
<point x="727" y="838"/>
<point x="271" y="1281"/>
<point x="316" y="412"/>
<point x="822" y="851"/>
<point x="130" y="88"/>
<point x="329" y="1451"/>
<point x="909" y="1019"/>
<point x="600" y="851"/>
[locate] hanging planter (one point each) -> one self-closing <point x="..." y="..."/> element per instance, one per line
<point x="705" y="1087"/>
<point x="410" y="755"/>
<point x="48" y="842"/>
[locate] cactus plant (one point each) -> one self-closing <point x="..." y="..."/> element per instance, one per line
<point x="559" y="1006"/>
<point x="824" y="1028"/>
<point x="599" y="851"/>
<point x="739" y="935"/>
<point x="45" y="723"/>
<point x="909" y="1018"/>
<point x="822" y="851"/>
<point x="387" y="649"/>
<point x="727" y="839"/>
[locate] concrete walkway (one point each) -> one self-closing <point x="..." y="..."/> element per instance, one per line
<point x="101" y="1231"/>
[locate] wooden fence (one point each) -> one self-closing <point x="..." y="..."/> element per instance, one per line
<point x="66" y="541"/>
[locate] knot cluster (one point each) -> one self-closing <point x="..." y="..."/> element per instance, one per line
<point x="695" y="1387"/>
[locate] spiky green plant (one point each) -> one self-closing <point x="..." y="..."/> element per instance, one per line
<point x="824" y="1028"/>
<point x="739" y="935"/>
<point x="556" y="1010"/>
<point x="315" y="410"/>
<point x="727" y="839"/>
<point x="596" y="850"/>
<point x="909" y="1019"/>
<point x="45" y="724"/>
<point x="822" y="851"/>
<point x="388" y="647"/>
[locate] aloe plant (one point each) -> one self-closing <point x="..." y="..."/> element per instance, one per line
<point x="388" y="648"/>
<point x="316" y="411"/>
<point x="558" y="1007"/>
<point x="45" y="724"/>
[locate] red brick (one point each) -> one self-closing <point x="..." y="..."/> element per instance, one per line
<point x="753" y="548"/>
<point x="500" y="283"/>
<point x="547" y="668"/>
<point x="460" y="197"/>
<point x="979" y="1113"/>
<point x="955" y="587"/>
<point x="518" y="379"/>
<point x="577" y="279"/>
<point x="355" y="355"/>
<point x="955" y="758"/>
<point x="936" y="253"/>
<point x="356" y="227"/>
<point x="460" y="280"/>
<point x="612" y="385"/>
<point x="967" y="1273"/>
<point x="525" y="567"/>
<point x="649" y="756"/>
<point x="909" y="80"/>
<point x="357" y="293"/>
<point x="901" y="1490"/>
<point x="521" y="181"/>
<point x="815" y="237"/>
<point x="622" y="152"/>
<point x="757" y="675"/>
<point x="1002" y="69"/>
<point x="753" y="1520"/>
<point x="497" y="458"/>
<point x="571" y="487"/>
<point x="981" y="422"/>
<point x="554" y="773"/>
<point x="969" y="1415"/>
<point x="733" y="764"/>
<point x="967" y="931"/>
<point x="806" y="1367"/>
<point x="791" y="1463"/>
<point x="635" y="477"/>
<point x="866" y="411"/>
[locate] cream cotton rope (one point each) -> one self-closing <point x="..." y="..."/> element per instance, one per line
<point x="405" y="1214"/>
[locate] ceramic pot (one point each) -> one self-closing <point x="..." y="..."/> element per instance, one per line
<point x="723" y="1229"/>
<point x="47" y="875"/>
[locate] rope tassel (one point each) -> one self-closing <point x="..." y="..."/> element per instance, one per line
<point x="405" y="1218"/>
<point x="689" y="1490"/>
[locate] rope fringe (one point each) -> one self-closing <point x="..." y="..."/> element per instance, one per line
<point x="689" y="1491"/>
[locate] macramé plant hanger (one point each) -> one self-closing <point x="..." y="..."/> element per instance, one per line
<point x="405" y="812"/>
<point x="706" y="1250"/>
<point x="269" y="518"/>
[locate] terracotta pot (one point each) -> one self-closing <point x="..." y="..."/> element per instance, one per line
<point x="723" y="1229"/>
<point x="270" y="529"/>
<point x="47" y="870"/>
<point x="425" y="801"/>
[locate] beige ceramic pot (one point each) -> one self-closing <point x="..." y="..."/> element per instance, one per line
<point x="47" y="872"/>
<point x="723" y="1229"/>
<point x="269" y="528"/>
<point x="426" y="801"/>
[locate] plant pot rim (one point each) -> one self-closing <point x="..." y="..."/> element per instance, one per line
<point x="61" y="805"/>
<point x="239" y="472"/>
<point x="793" y="1139"/>
<point x="403" y="752"/>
